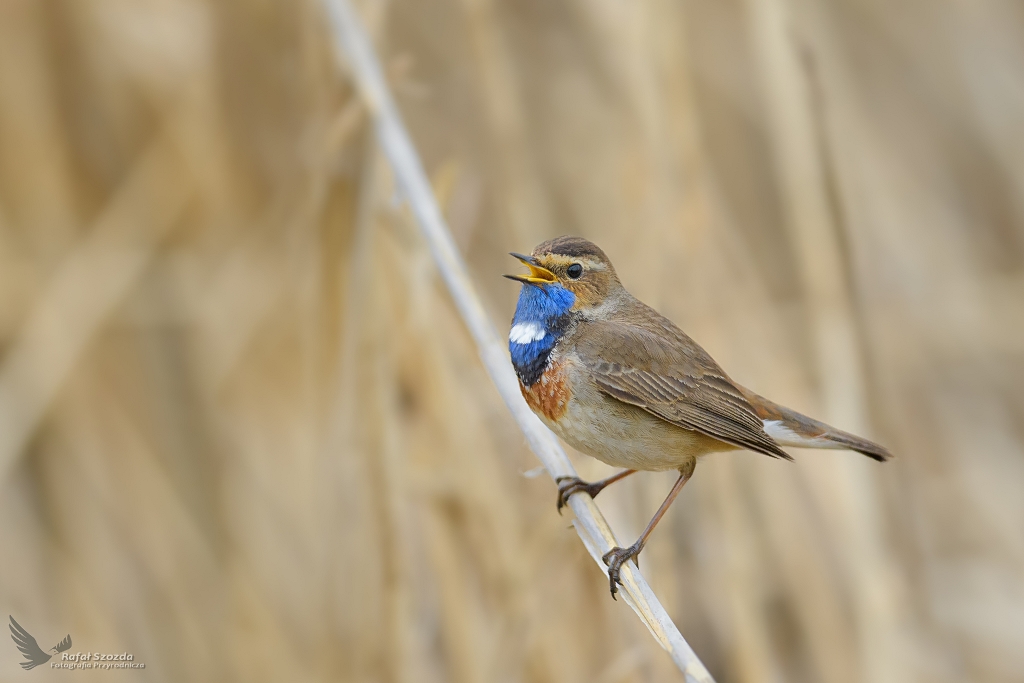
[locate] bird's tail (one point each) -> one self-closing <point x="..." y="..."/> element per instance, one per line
<point x="789" y="428"/>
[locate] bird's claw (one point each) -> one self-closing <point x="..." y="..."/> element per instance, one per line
<point x="570" y="485"/>
<point x="615" y="558"/>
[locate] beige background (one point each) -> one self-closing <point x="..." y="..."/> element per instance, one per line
<point x="244" y="436"/>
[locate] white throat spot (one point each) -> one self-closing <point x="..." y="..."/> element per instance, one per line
<point x="524" y="333"/>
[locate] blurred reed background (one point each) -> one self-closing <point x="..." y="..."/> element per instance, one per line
<point x="244" y="436"/>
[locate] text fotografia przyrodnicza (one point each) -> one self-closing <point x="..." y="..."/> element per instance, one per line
<point x="97" y="660"/>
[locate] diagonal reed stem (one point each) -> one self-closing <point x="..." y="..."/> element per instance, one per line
<point x="356" y="51"/>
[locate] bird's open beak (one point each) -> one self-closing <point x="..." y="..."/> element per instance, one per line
<point x="538" y="274"/>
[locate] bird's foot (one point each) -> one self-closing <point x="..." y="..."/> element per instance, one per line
<point x="615" y="558"/>
<point x="570" y="485"/>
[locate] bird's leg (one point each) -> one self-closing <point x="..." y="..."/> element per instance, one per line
<point x="615" y="557"/>
<point x="570" y="485"/>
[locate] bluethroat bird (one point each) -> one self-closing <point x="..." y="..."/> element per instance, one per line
<point x="620" y="382"/>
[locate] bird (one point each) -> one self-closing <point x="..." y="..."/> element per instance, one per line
<point x="618" y="381"/>
<point x="28" y="646"/>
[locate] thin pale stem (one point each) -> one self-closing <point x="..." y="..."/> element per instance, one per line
<point x="355" y="50"/>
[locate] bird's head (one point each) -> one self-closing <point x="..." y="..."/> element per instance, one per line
<point x="574" y="264"/>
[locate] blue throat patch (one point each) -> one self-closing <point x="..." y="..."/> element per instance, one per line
<point x="542" y="315"/>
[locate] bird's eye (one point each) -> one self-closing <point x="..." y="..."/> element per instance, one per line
<point x="574" y="271"/>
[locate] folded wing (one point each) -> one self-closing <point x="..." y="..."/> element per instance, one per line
<point x="652" y="364"/>
<point x="28" y="646"/>
<point x="64" y="645"/>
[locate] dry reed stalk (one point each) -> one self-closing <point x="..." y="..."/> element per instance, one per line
<point x="355" y="50"/>
<point x="525" y="212"/>
<point x="183" y="496"/>
<point x="755" y="660"/>
<point x="797" y="134"/>
<point x="86" y="288"/>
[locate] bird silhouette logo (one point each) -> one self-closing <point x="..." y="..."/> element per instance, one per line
<point x="30" y="648"/>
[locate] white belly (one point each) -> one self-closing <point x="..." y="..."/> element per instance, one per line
<point x="623" y="435"/>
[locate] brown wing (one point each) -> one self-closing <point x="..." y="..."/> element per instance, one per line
<point x="655" y="366"/>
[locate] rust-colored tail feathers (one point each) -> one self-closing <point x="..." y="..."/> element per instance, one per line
<point x="789" y="428"/>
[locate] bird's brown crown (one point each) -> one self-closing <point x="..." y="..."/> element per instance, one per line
<point x="570" y="246"/>
<point x="580" y="266"/>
